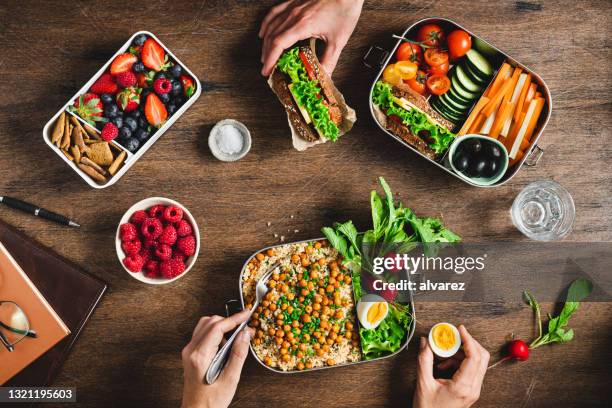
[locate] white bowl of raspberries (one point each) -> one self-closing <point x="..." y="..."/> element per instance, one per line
<point x="157" y="241"/>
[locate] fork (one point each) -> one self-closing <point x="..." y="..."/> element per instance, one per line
<point x="222" y="355"/>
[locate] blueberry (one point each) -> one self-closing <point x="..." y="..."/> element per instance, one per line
<point x="142" y="122"/>
<point x="176" y="70"/>
<point x="132" y="144"/>
<point x="177" y="88"/>
<point x="131" y="123"/>
<point x="165" y="98"/>
<point x="125" y="132"/>
<point x="135" y="113"/>
<point x="139" y="40"/>
<point x="107" y="99"/>
<point x="142" y="135"/>
<point x="117" y="121"/>
<point x="160" y="74"/>
<point x="138" y="67"/>
<point x="111" y="110"/>
<point x="179" y="100"/>
<point x="143" y="96"/>
<point x="171" y="108"/>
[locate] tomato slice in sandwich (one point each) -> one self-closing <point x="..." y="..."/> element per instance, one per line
<point x="309" y="69"/>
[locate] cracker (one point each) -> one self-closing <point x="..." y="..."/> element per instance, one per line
<point x="115" y="166"/>
<point x="100" y="153"/>
<point x="91" y="172"/>
<point x="58" y="130"/>
<point x="76" y="153"/>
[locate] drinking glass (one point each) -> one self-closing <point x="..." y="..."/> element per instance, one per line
<point x="543" y="211"/>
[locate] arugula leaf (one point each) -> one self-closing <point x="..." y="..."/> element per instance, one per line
<point x="336" y="240"/>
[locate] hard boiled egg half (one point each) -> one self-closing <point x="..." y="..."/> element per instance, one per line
<point x="371" y="311"/>
<point x="444" y="340"/>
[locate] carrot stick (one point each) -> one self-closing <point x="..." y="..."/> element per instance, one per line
<point x="477" y="108"/>
<point x="534" y="119"/>
<point x="517" y="158"/>
<point x="530" y="95"/>
<point x="478" y="123"/>
<point x="499" y="79"/>
<point x="514" y="131"/>
<point x="497" y="97"/>
<point x="504" y="112"/>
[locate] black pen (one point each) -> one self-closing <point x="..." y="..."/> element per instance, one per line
<point x="37" y="211"/>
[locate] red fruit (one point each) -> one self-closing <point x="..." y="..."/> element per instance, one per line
<point x="153" y="55"/>
<point x="151" y="228"/>
<point x="518" y="350"/>
<point x="157" y="211"/>
<point x="141" y="80"/>
<point x="104" y="84"/>
<point x="150" y="244"/>
<point x="168" y="236"/>
<point x="122" y="63"/>
<point x="183" y="228"/>
<point x="129" y="99"/>
<point x="188" y="85"/>
<point x="171" y="268"/>
<point x="187" y="245"/>
<point x="179" y="255"/>
<point x="138" y="217"/>
<point x="163" y="252"/>
<point x="128" y="232"/>
<point x="388" y="294"/>
<point x="109" y="132"/>
<point x="152" y="269"/>
<point x="155" y="111"/>
<point x="126" y="79"/>
<point x="162" y="86"/>
<point x="173" y="214"/>
<point x="131" y="247"/>
<point x="89" y="107"/>
<point x="146" y="254"/>
<point x="133" y="262"/>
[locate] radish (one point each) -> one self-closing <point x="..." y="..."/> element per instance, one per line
<point x="516" y="350"/>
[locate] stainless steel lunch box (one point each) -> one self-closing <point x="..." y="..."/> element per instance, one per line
<point x="408" y="338"/>
<point x="131" y="158"/>
<point x="530" y="158"/>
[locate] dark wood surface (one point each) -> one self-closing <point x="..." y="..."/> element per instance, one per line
<point x="129" y="354"/>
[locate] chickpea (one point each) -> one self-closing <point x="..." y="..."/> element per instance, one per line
<point x="290" y="336"/>
<point x="300" y="366"/>
<point x="286" y="344"/>
<point x="291" y="296"/>
<point x="306" y="318"/>
<point x="333" y="336"/>
<point x="349" y="326"/>
<point x="285" y="289"/>
<point x="321" y="261"/>
<point x="330" y="341"/>
<point x="310" y="286"/>
<point x="271" y="283"/>
<point x="339" y="339"/>
<point x="316" y="334"/>
<point x="303" y="347"/>
<point x="336" y="328"/>
<point x="317" y="245"/>
<point x="324" y="317"/>
<point x="275" y="276"/>
<point x="345" y="302"/>
<point x="321" y="340"/>
<point x="286" y="358"/>
<point x="348" y="335"/>
<point x="347" y="279"/>
<point x="306" y="337"/>
<point x="316" y="346"/>
<point x="287" y="328"/>
<point x="278" y="341"/>
<point x="309" y="364"/>
<point x="267" y="313"/>
<point x="290" y="309"/>
<point x="326" y="310"/>
<point x="284" y="351"/>
<point x="260" y="257"/>
<point x="268" y="361"/>
<point x="279" y="322"/>
<point x="280" y="333"/>
<point x="268" y="296"/>
<point x="314" y="275"/>
<point x="260" y="334"/>
<point x="334" y="273"/>
<point x="249" y="305"/>
<point x="304" y="292"/>
<point x="326" y="348"/>
<point x="303" y="282"/>
<point x="284" y="306"/>
<point x="309" y="249"/>
<point x="321" y="291"/>
<point x="338" y="302"/>
<point x="316" y="306"/>
<point x="333" y="265"/>
<point x="324" y="324"/>
<point x="305" y="262"/>
<point x="270" y="252"/>
<point x="301" y="299"/>
<point x="265" y="303"/>
<point x="325" y="301"/>
<point x="339" y="314"/>
<point x="308" y="309"/>
<point x="319" y="353"/>
<point x="295" y="258"/>
<point x="337" y="284"/>
<point x="273" y="307"/>
<point x="303" y="256"/>
<point x="321" y="283"/>
<point x="254" y="323"/>
<point x="283" y="277"/>
<point x="315" y="314"/>
<point x="329" y="289"/>
<point x="259" y="309"/>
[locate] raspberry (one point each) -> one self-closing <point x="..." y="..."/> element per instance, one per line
<point x="152" y="269"/>
<point x="163" y="252"/>
<point x="173" y="214"/>
<point x="150" y="244"/>
<point x="183" y="228"/>
<point x="178" y="255"/>
<point x="109" y="132"/>
<point x="126" y="79"/>
<point x="131" y="247"/>
<point x="138" y="217"/>
<point x="128" y="232"/>
<point x="157" y="211"/>
<point x="133" y="262"/>
<point x="168" y="236"/>
<point x="162" y="86"/>
<point x="151" y="228"/>
<point x="187" y="245"/>
<point x="172" y="268"/>
<point x="147" y="254"/>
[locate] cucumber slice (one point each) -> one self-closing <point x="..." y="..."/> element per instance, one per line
<point x="479" y="62"/>
<point x="484" y="47"/>
<point x="466" y="82"/>
<point x="436" y="105"/>
<point x="461" y="91"/>
<point x="476" y="76"/>
<point x="451" y="107"/>
<point x="452" y="94"/>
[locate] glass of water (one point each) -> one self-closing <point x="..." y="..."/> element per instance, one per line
<point x="544" y="211"/>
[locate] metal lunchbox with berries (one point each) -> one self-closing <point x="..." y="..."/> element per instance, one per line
<point x="120" y="112"/>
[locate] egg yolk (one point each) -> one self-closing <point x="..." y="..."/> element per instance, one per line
<point x="444" y="336"/>
<point x="377" y="311"/>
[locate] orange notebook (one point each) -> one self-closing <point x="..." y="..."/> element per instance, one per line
<point x="15" y="286"/>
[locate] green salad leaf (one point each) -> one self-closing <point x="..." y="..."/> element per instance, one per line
<point x="387" y="338"/>
<point x="438" y="139"/>
<point x="307" y="93"/>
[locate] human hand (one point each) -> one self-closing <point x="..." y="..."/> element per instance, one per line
<point x="207" y="337"/>
<point x="463" y="389"/>
<point x="332" y="21"/>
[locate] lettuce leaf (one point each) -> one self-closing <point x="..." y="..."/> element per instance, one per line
<point x="439" y="138"/>
<point x="307" y="92"/>
<point x="389" y="335"/>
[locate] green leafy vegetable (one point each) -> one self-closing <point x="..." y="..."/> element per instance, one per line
<point x="439" y="138"/>
<point x="389" y="335"/>
<point x="307" y="93"/>
<point x="578" y="290"/>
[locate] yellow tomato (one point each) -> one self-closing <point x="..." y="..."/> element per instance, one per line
<point x="406" y="69"/>
<point x="392" y="75"/>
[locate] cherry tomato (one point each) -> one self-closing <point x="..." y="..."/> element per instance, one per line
<point x="438" y="84"/>
<point x="409" y="52"/>
<point x="417" y="84"/>
<point x="392" y="75"/>
<point x="435" y="57"/>
<point x="459" y="43"/>
<point x="406" y="69"/>
<point x="440" y="69"/>
<point x="430" y="34"/>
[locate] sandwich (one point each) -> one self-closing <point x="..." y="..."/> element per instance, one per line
<point x="315" y="109"/>
<point x="408" y="116"/>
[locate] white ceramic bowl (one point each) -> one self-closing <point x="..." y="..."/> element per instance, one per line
<point x="145" y="205"/>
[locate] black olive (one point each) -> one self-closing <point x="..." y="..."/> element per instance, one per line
<point x="492" y="150"/>
<point x="476" y="166"/>
<point x="490" y="169"/>
<point x="460" y="161"/>
<point x="473" y="145"/>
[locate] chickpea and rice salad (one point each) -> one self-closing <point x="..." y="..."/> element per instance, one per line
<point x="307" y="318"/>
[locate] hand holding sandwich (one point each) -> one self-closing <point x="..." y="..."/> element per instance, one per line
<point x="332" y="21"/>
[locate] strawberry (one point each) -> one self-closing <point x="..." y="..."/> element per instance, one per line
<point x="129" y="99"/>
<point x="155" y="111"/>
<point x="104" y="85"/>
<point x="153" y="56"/>
<point x="123" y="62"/>
<point x="188" y="85"/>
<point x="89" y="107"/>
<point x="109" y="132"/>
<point x="126" y="79"/>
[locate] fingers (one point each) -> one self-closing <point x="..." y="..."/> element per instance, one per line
<point x="240" y="350"/>
<point x="425" y="362"/>
<point x="474" y="367"/>
<point x="330" y="57"/>
<point x="279" y="43"/>
<point x="274" y="11"/>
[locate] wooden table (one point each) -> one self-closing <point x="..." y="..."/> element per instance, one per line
<point x="129" y="354"/>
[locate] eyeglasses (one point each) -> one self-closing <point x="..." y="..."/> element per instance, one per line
<point x="14" y="325"/>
